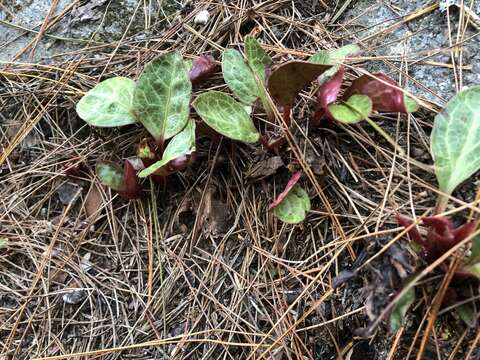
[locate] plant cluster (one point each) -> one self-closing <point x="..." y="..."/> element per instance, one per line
<point x="162" y="96"/>
<point x="455" y="146"/>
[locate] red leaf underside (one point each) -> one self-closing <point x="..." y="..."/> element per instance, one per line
<point x="382" y="90"/>
<point x="327" y="94"/>
<point x="413" y="232"/>
<point x="132" y="190"/>
<point x="291" y="183"/>
<point x="462" y="232"/>
<point x="202" y="68"/>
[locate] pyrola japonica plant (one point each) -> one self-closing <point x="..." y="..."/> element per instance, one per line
<point x="455" y="148"/>
<point x="161" y="100"/>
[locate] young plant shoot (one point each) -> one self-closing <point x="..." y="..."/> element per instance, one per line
<point x="293" y="203"/>
<point x="247" y="78"/>
<point x="176" y="155"/>
<point x="455" y="145"/>
<point x="368" y="93"/>
<point x="124" y="181"/>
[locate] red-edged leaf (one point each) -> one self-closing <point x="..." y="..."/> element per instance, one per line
<point x="384" y="92"/>
<point x="132" y="189"/>
<point x="413" y="232"/>
<point x="293" y="180"/>
<point x="202" y="68"/>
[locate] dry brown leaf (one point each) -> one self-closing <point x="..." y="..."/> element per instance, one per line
<point x="265" y="167"/>
<point x="93" y="201"/>
<point x="287" y="80"/>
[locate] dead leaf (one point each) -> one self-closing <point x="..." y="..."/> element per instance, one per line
<point x="85" y="264"/>
<point x="68" y="193"/>
<point x="214" y="215"/>
<point x="93" y="201"/>
<point x="265" y="167"/>
<point x="287" y="80"/>
<point x="343" y="277"/>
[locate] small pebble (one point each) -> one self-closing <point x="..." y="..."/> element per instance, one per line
<point x="202" y="17"/>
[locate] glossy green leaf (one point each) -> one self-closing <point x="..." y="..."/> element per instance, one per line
<point x="355" y="109"/>
<point x="294" y="207"/>
<point x="400" y="309"/>
<point x="161" y="101"/>
<point x="226" y="116"/>
<point x="239" y="77"/>
<point x="334" y="57"/>
<point x="455" y="140"/>
<point x="257" y="58"/>
<point x="110" y="174"/>
<point x="181" y="144"/>
<point x="108" y="104"/>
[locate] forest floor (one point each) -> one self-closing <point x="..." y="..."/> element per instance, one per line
<point x="200" y="269"/>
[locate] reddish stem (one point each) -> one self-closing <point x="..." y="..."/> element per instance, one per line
<point x="287" y="115"/>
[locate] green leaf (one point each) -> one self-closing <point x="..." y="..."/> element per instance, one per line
<point x="321" y="57"/>
<point x="410" y="104"/>
<point x="257" y="58"/>
<point x="110" y="174"/>
<point x="109" y="103"/>
<point x="467" y="314"/>
<point x="294" y="207"/>
<point x="355" y="109"/>
<point x="226" y="116"/>
<point x="473" y="261"/>
<point x="455" y="140"/>
<point x="239" y="77"/>
<point x="181" y="144"/>
<point x="3" y="243"/>
<point x="475" y="251"/>
<point x="338" y="55"/>
<point x="473" y="269"/>
<point x="161" y="101"/>
<point x="334" y="57"/>
<point x="400" y="309"/>
<point x="188" y="64"/>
